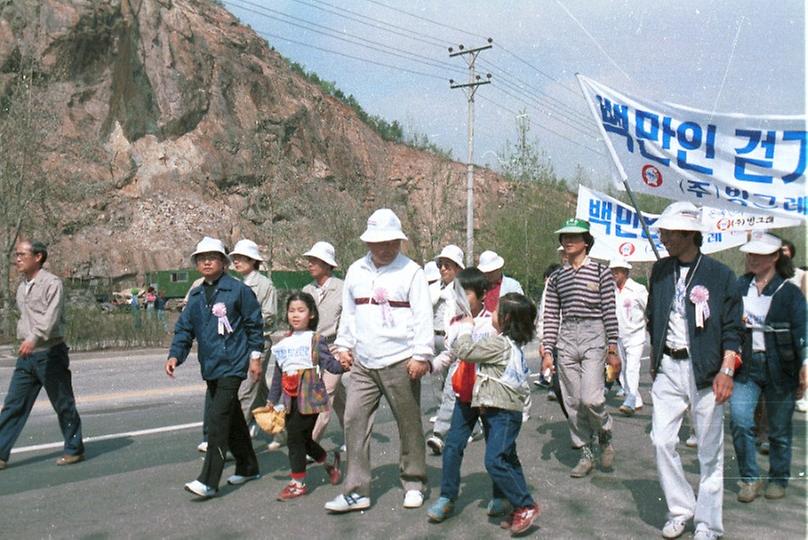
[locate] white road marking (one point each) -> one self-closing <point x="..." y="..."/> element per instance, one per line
<point x="111" y="436"/>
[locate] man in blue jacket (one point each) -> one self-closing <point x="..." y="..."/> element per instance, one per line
<point x="694" y="319"/>
<point x="224" y="317"/>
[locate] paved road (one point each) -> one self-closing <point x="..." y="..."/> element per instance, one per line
<point x="131" y="486"/>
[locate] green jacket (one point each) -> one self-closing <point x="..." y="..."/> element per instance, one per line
<point x="492" y="354"/>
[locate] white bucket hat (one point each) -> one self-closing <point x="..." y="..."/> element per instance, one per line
<point x="762" y="244"/>
<point x="209" y="245"/>
<point x="323" y="251"/>
<point x="619" y="262"/>
<point x="383" y="226"/>
<point x="453" y="253"/>
<point x="490" y="261"/>
<point x="431" y="271"/>
<point x="680" y="216"/>
<point x="247" y="248"/>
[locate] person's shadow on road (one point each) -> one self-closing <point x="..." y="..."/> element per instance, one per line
<point x="559" y="443"/>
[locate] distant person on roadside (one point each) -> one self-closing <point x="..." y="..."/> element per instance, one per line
<point x="385" y="337"/>
<point x="134" y="306"/>
<point x="42" y="356"/>
<point x="326" y="289"/>
<point x="160" y="306"/>
<point x="150" y="299"/>
<point x="224" y="318"/>
<point x="800" y="277"/>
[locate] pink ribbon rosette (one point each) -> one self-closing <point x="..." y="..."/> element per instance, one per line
<point x="699" y="295"/>
<point x="627" y="306"/>
<point x="220" y="312"/>
<point x="380" y="299"/>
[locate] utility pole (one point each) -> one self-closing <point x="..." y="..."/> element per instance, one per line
<point x="470" y="88"/>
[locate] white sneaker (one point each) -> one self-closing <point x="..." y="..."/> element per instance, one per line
<point x="274" y="445"/>
<point x="343" y="449"/>
<point x="198" y="488"/>
<point x="413" y="499"/>
<point x="203" y="446"/>
<point x="435" y="443"/>
<point x="692" y="441"/>
<point x="253" y="430"/>
<point x="705" y="534"/>
<point x="525" y="417"/>
<point x="237" y="479"/>
<point x="348" y="503"/>
<point x="433" y="419"/>
<point x="673" y="528"/>
<point x="802" y="404"/>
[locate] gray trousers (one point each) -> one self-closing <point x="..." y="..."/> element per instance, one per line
<point x="252" y="393"/>
<point x="581" y="359"/>
<point x="404" y="397"/>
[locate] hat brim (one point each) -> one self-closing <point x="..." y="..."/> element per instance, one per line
<point x="195" y="253"/>
<point x="625" y="266"/>
<point x="382" y="236"/>
<point x="253" y="256"/>
<point x="676" y="224"/>
<point x="458" y="263"/>
<point x="322" y="257"/>
<point x="759" y="248"/>
<point x="496" y="264"/>
<point x="572" y="229"/>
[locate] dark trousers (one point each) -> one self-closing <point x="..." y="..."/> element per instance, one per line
<point x="299" y="428"/>
<point x="47" y="369"/>
<point x="501" y="430"/>
<point x="226" y="430"/>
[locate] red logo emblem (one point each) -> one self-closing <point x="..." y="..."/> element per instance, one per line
<point x="723" y="224"/>
<point x="651" y="176"/>
<point x="626" y="249"/>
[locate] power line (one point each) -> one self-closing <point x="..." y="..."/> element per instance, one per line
<point x="331" y="33"/>
<point x="361" y="59"/>
<point x="426" y="19"/>
<point x="548" y="76"/>
<point x="557" y="134"/>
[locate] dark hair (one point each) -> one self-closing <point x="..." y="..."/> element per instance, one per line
<point x="39" y="248"/>
<point x="516" y="314"/>
<point x="307" y="299"/>
<point x="588" y="239"/>
<point x="784" y="265"/>
<point x="698" y="239"/>
<point x="550" y="269"/>
<point x="790" y="245"/>
<point x="472" y="278"/>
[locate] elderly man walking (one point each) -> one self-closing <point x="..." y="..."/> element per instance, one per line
<point x="385" y="336"/>
<point x="632" y="299"/>
<point x="694" y="318"/>
<point x="42" y="360"/>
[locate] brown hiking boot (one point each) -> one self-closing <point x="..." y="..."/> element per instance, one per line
<point x="749" y="491"/>
<point x="585" y="463"/>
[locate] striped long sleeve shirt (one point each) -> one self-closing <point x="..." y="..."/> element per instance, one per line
<point x="585" y="293"/>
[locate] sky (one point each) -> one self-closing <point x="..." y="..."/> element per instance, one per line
<point x="737" y="56"/>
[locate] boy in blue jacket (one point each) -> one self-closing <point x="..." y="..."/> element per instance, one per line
<point x="224" y="317"/>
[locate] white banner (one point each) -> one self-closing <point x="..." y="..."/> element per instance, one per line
<point x="733" y="161"/>
<point x="618" y="233"/>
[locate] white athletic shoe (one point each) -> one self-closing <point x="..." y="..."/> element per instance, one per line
<point x="199" y="489"/>
<point x="348" y="503"/>
<point x="237" y="479"/>
<point x="203" y="446"/>
<point x="413" y="499"/>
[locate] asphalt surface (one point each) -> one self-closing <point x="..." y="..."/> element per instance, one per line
<point x="131" y="486"/>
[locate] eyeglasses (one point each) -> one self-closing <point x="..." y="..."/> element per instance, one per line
<point x="22" y="254"/>
<point x="445" y="262"/>
<point x="208" y="257"/>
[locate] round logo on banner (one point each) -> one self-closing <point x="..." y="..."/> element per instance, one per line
<point x="626" y="249"/>
<point x="651" y="176"/>
<point x="723" y="224"/>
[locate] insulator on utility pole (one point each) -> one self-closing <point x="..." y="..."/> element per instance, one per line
<point x="470" y="88"/>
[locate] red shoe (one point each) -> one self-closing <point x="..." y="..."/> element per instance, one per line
<point x="292" y="490"/>
<point x="334" y="474"/>
<point x="523" y="518"/>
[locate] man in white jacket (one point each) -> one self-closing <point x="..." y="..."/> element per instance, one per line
<point x="631" y="298"/>
<point x="385" y="337"/>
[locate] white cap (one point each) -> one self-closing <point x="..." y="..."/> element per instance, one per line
<point x="762" y="244"/>
<point x="383" y="226"/>
<point x="490" y="261"/>
<point x="431" y="271"/>
<point x="453" y="253"/>
<point x="209" y="245"/>
<point x="247" y="248"/>
<point x="323" y="251"/>
<point x="680" y="216"/>
<point x="619" y="262"/>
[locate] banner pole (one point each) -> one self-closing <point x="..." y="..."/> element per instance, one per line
<point x="620" y="169"/>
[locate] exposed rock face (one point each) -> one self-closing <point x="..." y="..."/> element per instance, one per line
<point x="185" y="121"/>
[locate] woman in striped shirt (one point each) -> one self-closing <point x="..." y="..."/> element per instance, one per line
<point x="581" y="294"/>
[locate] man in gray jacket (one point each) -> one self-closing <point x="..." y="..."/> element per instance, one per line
<point x="42" y="359"/>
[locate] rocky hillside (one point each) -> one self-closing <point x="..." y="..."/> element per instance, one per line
<point x="184" y="123"/>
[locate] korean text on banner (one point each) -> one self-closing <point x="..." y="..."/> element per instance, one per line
<point x="616" y="228"/>
<point x="733" y="161"/>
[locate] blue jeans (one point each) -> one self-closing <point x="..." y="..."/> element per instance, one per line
<point x="464" y="418"/>
<point x="501" y="428"/>
<point x="49" y="369"/>
<point x="779" y="409"/>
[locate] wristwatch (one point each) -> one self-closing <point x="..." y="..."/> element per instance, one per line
<point x="729" y="372"/>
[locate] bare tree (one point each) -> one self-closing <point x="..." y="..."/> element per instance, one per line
<point x="25" y="121"/>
